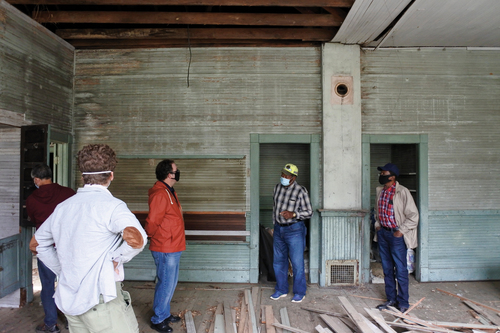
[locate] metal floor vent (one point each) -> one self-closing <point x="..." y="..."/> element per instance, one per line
<point x="341" y="272"/>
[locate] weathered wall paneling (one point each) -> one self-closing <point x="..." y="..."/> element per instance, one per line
<point x="139" y="102"/>
<point x="452" y="95"/>
<point x="36" y="70"/>
<point x="9" y="181"/>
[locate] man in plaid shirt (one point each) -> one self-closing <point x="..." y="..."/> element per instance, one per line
<point x="396" y="221"/>
<point x="291" y="207"/>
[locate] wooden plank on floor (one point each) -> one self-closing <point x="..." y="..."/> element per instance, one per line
<point x="467" y="299"/>
<point x="251" y="313"/>
<point x="354" y="315"/>
<point x="334" y="314"/>
<point x="219" y="324"/>
<point x="372" y="326"/>
<point x="208" y="317"/>
<point x="493" y="319"/>
<point x="243" y="317"/>
<point x="256" y="298"/>
<point x="320" y="329"/>
<point x="228" y="319"/>
<point x="464" y="325"/>
<point x="377" y="316"/>
<point x="419" y="328"/>
<point x="410" y="318"/>
<point x="218" y="311"/>
<point x="284" y="319"/>
<point x="188" y="318"/>
<point x="269" y="314"/>
<point x="335" y="324"/>
<point x="289" y="328"/>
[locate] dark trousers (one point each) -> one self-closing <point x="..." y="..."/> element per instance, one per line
<point x="393" y="254"/>
<point x="47" y="279"/>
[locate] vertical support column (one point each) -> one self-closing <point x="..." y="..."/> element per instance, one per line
<point x="341" y="126"/>
<point x="254" y="207"/>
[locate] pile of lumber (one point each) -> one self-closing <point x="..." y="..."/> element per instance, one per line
<point x="376" y="322"/>
<point x="251" y="317"/>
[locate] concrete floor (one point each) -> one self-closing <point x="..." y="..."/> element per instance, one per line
<point x="202" y="299"/>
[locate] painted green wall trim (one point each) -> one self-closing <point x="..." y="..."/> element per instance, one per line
<point x="254" y="208"/>
<point x="394" y="138"/>
<point x="188" y="242"/>
<point x="231" y="157"/>
<point x="59" y="137"/>
<point x="314" y="230"/>
<point x="488" y="212"/>
<point x="421" y="140"/>
<point x="342" y="213"/>
<point x="287" y="138"/>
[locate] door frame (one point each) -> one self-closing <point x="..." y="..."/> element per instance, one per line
<point x="422" y="142"/>
<point x="26" y="267"/>
<point x="314" y="160"/>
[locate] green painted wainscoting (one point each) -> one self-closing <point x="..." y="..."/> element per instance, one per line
<point x="463" y="245"/>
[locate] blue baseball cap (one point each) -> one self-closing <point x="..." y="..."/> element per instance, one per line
<point x="390" y="167"/>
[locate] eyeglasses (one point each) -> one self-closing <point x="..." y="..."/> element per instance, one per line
<point x="389" y="174"/>
<point x="174" y="172"/>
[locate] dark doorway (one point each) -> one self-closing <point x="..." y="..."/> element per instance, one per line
<point x="273" y="157"/>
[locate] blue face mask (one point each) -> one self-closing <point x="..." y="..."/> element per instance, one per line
<point x="285" y="181"/>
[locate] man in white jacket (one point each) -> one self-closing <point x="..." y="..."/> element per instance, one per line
<point x="94" y="234"/>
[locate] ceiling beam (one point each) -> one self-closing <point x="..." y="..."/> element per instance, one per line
<point x="311" y="20"/>
<point x="169" y="43"/>
<point x="304" y="34"/>
<point x="246" y="3"/>
<point x="339" y="14"/>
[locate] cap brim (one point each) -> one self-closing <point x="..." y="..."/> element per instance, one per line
<point x="286" y="172"/>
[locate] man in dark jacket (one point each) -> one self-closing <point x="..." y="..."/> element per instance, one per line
<point x="39" y="205"/>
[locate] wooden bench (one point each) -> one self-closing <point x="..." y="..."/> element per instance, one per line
<point x="224" y="226"/>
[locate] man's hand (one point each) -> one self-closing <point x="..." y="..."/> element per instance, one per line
<point x="287" y="214"/>
<point x="398" y="234"/>
<point x="33" y="245"/>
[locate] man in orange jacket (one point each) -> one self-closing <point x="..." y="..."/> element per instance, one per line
<point x="165" y="227"/>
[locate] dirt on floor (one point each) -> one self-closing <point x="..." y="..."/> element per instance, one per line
<point x="202" y="300"/>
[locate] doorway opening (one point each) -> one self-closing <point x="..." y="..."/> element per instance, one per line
<point x="273" y="157"/>
<point x="405" y="157"/>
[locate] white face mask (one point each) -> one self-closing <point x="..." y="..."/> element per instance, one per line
<point x="285" y="181"/>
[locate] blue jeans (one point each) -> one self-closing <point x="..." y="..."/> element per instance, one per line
<point x="47" y="279"/>
<point x="167" y="272"/>
<point x="393" y="254"/>
<point x="290" y="242"/>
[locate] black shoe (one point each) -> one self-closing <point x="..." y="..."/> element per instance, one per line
<point x="173" y="319"/>
<point x="386" y="305"/>
<point x="44" y="328"/>
<point x="162" y="327"/>
<point x="403" y="309"/>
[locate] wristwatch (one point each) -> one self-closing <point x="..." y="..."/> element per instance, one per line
<point x="294" y="215"/>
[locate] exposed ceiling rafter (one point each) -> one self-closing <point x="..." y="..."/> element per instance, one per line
<point x="251" y="19"/>
<point x="245" y="3"/>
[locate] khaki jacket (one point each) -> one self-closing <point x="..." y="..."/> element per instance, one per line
<point x="405" y="212"/>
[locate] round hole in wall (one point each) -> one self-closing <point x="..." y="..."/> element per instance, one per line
<point x="342" y="89"/>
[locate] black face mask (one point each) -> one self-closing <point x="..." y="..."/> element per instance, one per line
<point x="177" y="175"/>
<point x="384" y="179"/>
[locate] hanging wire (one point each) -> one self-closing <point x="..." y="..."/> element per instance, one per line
<point x="190" y="54"/>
